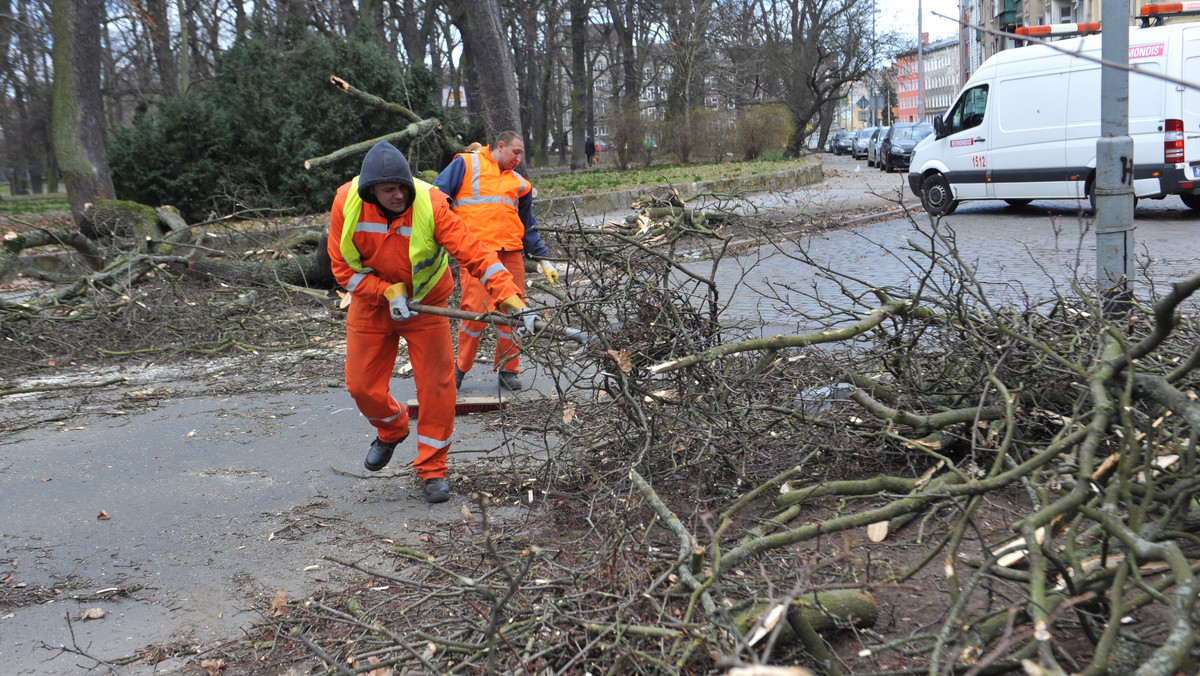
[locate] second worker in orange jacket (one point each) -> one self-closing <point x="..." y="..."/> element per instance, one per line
<point x="497" y="204"/>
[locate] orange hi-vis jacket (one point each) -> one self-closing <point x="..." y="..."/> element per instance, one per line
<point x="487" y="200"/>
<point x="385" y="249"/>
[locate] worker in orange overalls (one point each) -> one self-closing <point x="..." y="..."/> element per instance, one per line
<point x="497" y="204"/>
<point x="389" y="236"/>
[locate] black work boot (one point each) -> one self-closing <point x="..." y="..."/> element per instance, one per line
<point x="510" y="381"/>
<point x="458" y="376"/>
<point x="437" y="489"/>
<point x="380" y="453"/>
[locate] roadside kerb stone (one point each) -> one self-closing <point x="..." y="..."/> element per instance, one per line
<point x="620" y="200"/>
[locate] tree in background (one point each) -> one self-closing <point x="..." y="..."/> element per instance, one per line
<point x="814" y="49"/>
<point x="492" y="61"/>
<point x="687" y="25"/>
<point x="77" y="118"/>
<point x="242" y="144"/>
<point x="761" y="129"/>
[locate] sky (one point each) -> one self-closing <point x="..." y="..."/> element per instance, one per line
<point x="902" y="16"/>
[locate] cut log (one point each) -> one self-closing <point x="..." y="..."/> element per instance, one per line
<point x="824" y="610"/>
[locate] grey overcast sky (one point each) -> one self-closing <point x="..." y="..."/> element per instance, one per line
<point x="901" y="15"/>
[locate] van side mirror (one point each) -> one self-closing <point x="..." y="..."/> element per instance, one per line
<point x="939" y="127"/>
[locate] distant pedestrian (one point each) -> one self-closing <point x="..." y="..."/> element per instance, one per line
<point x="589" y="149"/>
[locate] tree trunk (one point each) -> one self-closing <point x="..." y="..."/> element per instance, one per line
<point x="311" y="270"/>
<point x="185" y="60"/>
<point x="77" y="120"/>
<point x="579" y="17"/>
<point x="160" y="38"/>
<point x="493" y="65"/>
<point x="241" y="24"/>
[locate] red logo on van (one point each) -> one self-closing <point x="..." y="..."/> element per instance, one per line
<point x="959" y="142"/>
<point x="1145" y="51"/>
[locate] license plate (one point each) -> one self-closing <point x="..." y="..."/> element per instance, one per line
<point x="1196" y="172"/>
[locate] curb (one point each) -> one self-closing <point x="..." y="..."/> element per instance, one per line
<point x="620" y="200"/>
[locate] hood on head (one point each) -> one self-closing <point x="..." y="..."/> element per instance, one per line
<point x="384" y="164"/>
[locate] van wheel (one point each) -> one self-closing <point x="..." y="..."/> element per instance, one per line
<point x="936" y="196"/>
<point x="1192" y="201"/>
<point x="1018" y="203"/>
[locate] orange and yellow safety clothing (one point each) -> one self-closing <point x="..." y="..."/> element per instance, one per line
<point x="381" y="249"/>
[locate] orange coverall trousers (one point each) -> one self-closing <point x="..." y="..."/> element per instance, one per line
<point x="372" y="343"/>
<point x="476" y="299"/>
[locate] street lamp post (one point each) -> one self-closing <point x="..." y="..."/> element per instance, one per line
<point x="920" y="68"/>
<point x="1114" y="156"/>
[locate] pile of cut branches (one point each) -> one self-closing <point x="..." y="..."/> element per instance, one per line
<point x="701" y="487"/>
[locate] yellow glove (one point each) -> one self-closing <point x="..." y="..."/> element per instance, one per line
<point x="547" y="269"/>
<point x="397" y="297"/>
<point x="514" y="306"/>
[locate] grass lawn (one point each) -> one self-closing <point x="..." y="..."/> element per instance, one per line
<point x="607" y="180"/>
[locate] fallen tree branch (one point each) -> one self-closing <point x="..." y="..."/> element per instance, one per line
<point x="65" y="386"/>
<point x="890" y="308"/>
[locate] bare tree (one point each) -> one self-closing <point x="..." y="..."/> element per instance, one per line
<point x="160" y="36"/>
<point x="814" y="49"/>
<point x="688" y="23"/>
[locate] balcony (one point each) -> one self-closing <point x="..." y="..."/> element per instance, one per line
<point x="1009" y="12"/>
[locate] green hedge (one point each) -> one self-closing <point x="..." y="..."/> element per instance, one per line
<point x="242" y="142"/>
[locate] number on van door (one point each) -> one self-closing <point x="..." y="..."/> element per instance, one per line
<point x="963" y="148"/>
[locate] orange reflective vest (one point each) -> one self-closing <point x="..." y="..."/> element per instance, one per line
<point x="487" y="201"/>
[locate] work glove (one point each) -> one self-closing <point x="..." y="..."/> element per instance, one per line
<point x="513" y="306"/>
<point x="397" y="297"/>
<point x="547" y="269"/>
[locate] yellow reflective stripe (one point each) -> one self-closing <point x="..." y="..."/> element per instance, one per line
<point x="428" y="259"/>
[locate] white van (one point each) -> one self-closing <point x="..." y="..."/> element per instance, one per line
<point x="1025" y="125"/>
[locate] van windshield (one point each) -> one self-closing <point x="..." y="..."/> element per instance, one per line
<point x="921" y="131"/>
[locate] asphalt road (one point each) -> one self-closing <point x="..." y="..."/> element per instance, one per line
<point x="1019" y="254"/>
<point x="180" y="514"/>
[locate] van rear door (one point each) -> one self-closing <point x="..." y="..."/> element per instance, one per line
<point x="1191" y="100"/>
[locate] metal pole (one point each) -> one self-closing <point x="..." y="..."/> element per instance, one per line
<point x="1114" y="156"/>
<point x="873" y="63"/>
<point x="921" y="67"/>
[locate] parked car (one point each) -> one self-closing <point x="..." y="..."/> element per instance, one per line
<point x="843" y="143"/>
<point x="873" y="146"/>
<point x="896" y="147"/>
<point x="861" y="139"/>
